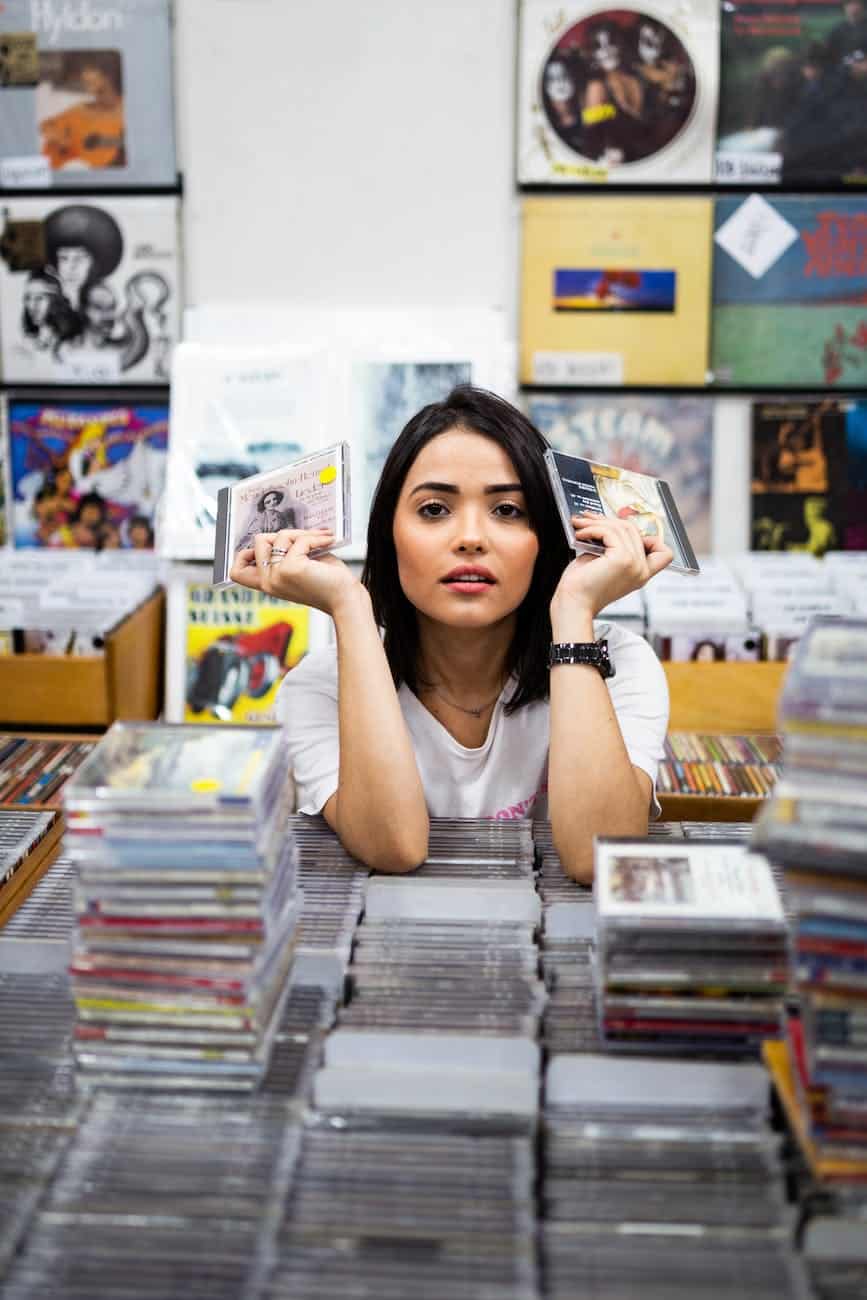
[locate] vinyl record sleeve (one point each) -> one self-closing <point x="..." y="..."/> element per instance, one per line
<point x="89" y="290"/>
<point x="312" y="492"/>
<point x="624" y="94"/>
<point x="793" y="95"/>
<point x="788" y="291"/>
<point x="92" y="104"/>
<point x="615" y="291"/>
<point x="86" y="471"/>
<point x="228" y="649"/>
<point x="588" y="487"/>
<point x="667" y="437"/>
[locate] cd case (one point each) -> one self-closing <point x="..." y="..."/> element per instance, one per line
<point x="312" y="492"/>
<point x="587" y="487"/>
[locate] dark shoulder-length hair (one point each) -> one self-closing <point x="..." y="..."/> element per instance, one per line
<point x="492" y="417"/>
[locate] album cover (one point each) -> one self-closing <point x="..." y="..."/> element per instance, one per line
<point x="620" y="95"/>
<point x="229" y="648"/>
<point x="801" y="486"/>
<point x="698" y="882"/>
<point x="586" y="487"/>
<point x="788" y="291"/>
<point x="86" y="94"/>
<point x="86" y="473"/>
<point x="602" y="277"/>
<point x="667" y="437"/>
<point x="792" y="93"/>
<point x="312" y="492"/>
<point x="88" y="290"/>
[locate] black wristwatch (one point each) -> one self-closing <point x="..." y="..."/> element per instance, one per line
<point x="594" y="653"/>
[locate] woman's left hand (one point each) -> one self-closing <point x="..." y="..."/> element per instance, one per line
<point x="630" y="560"/>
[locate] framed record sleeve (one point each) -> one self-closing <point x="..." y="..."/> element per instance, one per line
<point x="86" y="470"/>
<point x="615" y="291"/>
<point x="228" y="649"/>
<point x="86" y="94"/>
<point x="89" y="290"/>
<point x="619" y="94"/>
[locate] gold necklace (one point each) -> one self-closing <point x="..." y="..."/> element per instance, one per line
<point x="473" y="713"/>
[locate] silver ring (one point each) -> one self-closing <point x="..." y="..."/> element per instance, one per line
<point x="278" y="550"/>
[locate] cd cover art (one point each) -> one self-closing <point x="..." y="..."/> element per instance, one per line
<point x="601" y="276"/>
<point x="86" y="94"/>
<point x="88" y="290"/>
<point x="671" y="437"/>
<point x="788" y="291"/>
<point x="793" y="92"/>
<point x="86" y="473"/>
<point x="620" y="94"/>
<point x="587" y="487"/>
<point x="312" y="492"/>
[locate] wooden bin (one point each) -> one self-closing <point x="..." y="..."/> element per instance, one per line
<point x="90" y="690"/>
<point x="719" y="698"/>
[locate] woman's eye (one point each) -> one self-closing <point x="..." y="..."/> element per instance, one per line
<point x="508" y="510"/>
<point x="433" y="510"/>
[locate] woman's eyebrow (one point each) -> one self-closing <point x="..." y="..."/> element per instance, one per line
<point x="455" y="490"/>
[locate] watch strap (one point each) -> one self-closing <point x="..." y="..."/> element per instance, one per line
<point x="593" y="653"/>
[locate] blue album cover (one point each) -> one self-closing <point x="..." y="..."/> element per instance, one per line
<point x="86" y="473"/>
<point x="789" y="291"/>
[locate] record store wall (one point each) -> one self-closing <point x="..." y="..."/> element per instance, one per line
<point x="350" y="154"/>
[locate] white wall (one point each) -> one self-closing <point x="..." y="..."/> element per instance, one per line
<point x="349" y="152"/>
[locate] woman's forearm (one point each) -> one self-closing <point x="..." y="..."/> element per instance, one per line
<point x="592" y="785"/>
<point x="380" y="812"/>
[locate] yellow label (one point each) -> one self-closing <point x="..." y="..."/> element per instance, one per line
<point x="328" y="475"/>
<point x="599" y="113"/>
<point x="205" y="785"/>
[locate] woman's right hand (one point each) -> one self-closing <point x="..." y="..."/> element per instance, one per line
<point x="322" y="582"/>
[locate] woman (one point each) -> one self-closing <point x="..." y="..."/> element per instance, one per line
<point x="451" y="712"/>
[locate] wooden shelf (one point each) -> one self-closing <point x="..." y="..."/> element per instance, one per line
<point x="724" y="697"/>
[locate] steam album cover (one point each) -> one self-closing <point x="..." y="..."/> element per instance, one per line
<point x="619" y="95"/>
<point x="809" y="475"/>
<point x="615" y="291"/>
<point x="86" y="94"/>
<point x="228" y="649"/>
<point x="793" y="92"/>
<point x="86" y="473"/>
<point x="788" y="291"/>
<point x="671" y="437"/>
<point x="88" y="290"/>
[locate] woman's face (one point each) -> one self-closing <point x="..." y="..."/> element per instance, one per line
<point x="465" y="548"/>
<point x="270" y="501"/>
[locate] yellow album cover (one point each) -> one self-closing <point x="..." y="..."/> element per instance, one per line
<point x="615" y="291"/>
<point x="240" y="644"/>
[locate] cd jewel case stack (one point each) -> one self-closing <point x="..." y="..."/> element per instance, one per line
<point x="692" y="946"/>
<point x="815" y="827"/>
<point x="186" y="905"/>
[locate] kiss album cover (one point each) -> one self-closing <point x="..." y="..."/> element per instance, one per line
<point x="617" y="95"/>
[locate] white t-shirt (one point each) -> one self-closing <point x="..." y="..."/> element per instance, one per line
<point x="508" y="775"/>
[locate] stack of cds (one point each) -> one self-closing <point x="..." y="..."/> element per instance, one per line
<point x="332" y="885"/>
<point x="692" y="946"/>
<point x="391" y="1212"/>
<point x="740" y="766"/>
<point x="161" y="1196"/>
<point x="186" y="905"/>
<point x="815" y="828"/>
<point x="662" y="1179"/>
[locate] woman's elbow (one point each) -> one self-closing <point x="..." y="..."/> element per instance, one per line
<point x="397" y="859"/>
